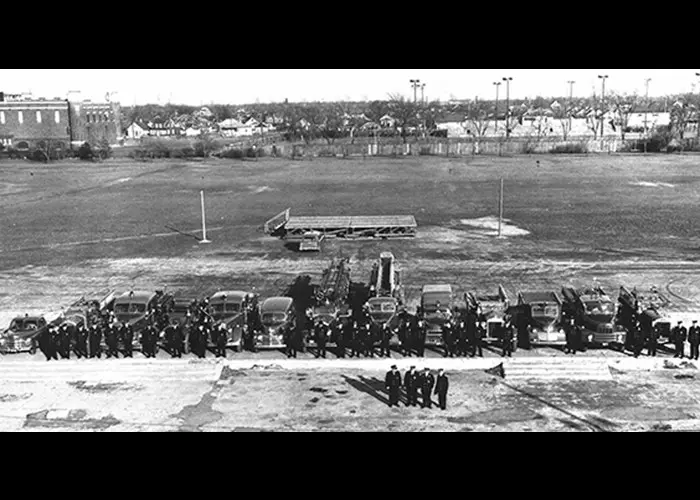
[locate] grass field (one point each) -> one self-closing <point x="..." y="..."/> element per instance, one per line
<point x="70" y="228"/>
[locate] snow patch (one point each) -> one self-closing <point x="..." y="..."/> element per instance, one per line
<point x="119" y="181"/>
<point x="261" y="189"/>
<point x="489" y="226"/>
<point x="652" y="184"/>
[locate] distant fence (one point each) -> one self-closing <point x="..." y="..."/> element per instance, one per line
<point x="447" y="148"/>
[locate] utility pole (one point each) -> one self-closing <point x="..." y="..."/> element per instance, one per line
<point x="422" y="94"/>
<point x="415" y="84"/>
<point x="646" y="117"/>
<point x="508" y="80"/>
<point x="498" y="88"/>
<point x="602" y="110"/>
<point x="697" y="111"/>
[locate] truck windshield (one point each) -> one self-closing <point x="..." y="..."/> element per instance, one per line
<point x="130" y="308"/>
<point x="430" y="301"/>
<point x="600" y="308"/>
<point x="21" y="324"/>
<point x="544" y="311"/>
<point x="226" y="308"/>
<point x="272" y="319"/>
<point x="380" y="307"/>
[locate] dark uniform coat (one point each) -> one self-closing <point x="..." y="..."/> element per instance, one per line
<point x="427" y="382"/>
<point x="442" y="386"/>
<point x="393" y="385"/>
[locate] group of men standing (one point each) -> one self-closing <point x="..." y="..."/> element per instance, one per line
<point x="110" y="339"/>
<point x="414" y="383"/>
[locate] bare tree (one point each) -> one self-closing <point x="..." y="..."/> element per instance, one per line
<point x="406" y="114"/>
<point x="478" y="116"/>
<point x="623" y="106"/>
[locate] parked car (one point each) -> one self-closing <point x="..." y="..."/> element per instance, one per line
<point x="279" y="317"/>
<point x="22" y="335"/>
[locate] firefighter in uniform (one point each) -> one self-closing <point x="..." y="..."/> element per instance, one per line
<point x="340" y="339"/>
<point x="479" y="332"/>
<point x="694" y="341"/>
<point x="393" y="385"/>
<point x="420" y="337"/>
<point x="410" y="384"/>
<point x="448" y="339"/>
<point x="652" y="339"/>
<point x="569" y="332"/>
<point x="95" y="341"/>
<point x="427" y="383"/>
<point x="221" y="341"/>
<point x="146" y="340"/>
<point x="80" y="337"/>
<point x="128" y="338"/>
<point x="55" y="343"/>
<point x="386" y="341"/>
<point x="45" y="343"/>
<point x="111" y="339"/>
<point x="679" y="334"/>
<point x="321" y="337"/>
<point x="203" y="340"/>
<point x="442" y="386"/>
<point x="639" y="339"/>
<point x="289" y="342"/>
<point x="65" y="342"/>
<point x="507" y="331"/>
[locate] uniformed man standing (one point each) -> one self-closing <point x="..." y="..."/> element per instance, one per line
<point x="289" y="342"/>
<point x="128" y="339"/>
<point x="639" y="339"/>
<point x="386" y="341"/>
<point x="442" y="387"/>
<point x="694" y="341"/>
<point x="393" y="385"/>
<point x="569" y="332"/>
<point x="427" y="383"/>
<point x="420" y="336"/>
<point x="680" y="335"/>
<point x="652" y="339"/>
<point x="95" y="341"/>
<point x="321" y="337"/>
<point x="146" y="341"/>
<point x="80" y="337"/>
<point x="448" y="339"/>
<point x="203" y="341"/>
<point x="221" y="341"/>
<point x="45" y="343"/>
<point x="178" y="341"/>
<point x="340" y="339"/>
<point x="479" y="333"/>
<point x="507" y="336"/>
<point x="55" y="343"/>
<point x="410" y="384"/>
<point x="65" y="342"/>
<point x="112" y="342"/>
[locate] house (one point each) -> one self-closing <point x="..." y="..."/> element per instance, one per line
<point x="234" y="128"/>
<point x="387" y="121"/>
<point x="136" y="131"/>
<point x="453" y="123"/>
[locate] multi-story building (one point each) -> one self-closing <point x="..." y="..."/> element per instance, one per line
<point x="28" y="123"/>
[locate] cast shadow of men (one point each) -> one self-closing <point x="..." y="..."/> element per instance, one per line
<point x="372" y="386"/>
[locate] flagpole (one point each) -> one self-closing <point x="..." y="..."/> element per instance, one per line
<point x="204" y="222"/>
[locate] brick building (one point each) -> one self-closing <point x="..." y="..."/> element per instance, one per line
<point x="27" y="123"/>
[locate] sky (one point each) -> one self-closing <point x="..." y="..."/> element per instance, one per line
<point x="243" y="86"/>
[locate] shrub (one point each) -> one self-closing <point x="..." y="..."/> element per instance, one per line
<point x="254" y="152"/>
<point x="569" y="149"/>
<point x="86" y="153"/>
<point x="232" y="154"/>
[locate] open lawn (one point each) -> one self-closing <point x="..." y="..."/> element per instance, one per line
<point x="68" y="228"/>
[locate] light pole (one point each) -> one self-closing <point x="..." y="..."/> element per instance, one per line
<point x="697" y="111"/>
<point x="646" y="117"/>
<point x="508" y="80"/>
<point x="415" y="84"/>
<point x="422" y="93"/>
<point x="498" y="88"/>
<point x="602" y="110"/>
<point x="571" y="98"/>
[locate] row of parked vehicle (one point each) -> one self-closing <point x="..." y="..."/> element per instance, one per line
<point x="539" y="316"/>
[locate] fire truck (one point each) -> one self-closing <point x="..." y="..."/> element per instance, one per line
<point x="595" y="312"/>
<point x="386" y="293"/>
<point x="492" y="310"/>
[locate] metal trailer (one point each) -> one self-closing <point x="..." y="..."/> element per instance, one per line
<point x="293" y="228"/>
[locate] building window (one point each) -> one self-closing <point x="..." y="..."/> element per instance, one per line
<point x="57" y="116"/>
<point x="20" y="116"/>
<point x="38" y="116"/>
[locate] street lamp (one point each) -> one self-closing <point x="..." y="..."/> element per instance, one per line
<point x="697" y="75"/>
<point x="508" y="80"/>
<point x="571" y="98"/>
<point x="602" y="114"/>
<point x="646" y="115"/>
<point x="498" y="88"/>
<point x="422" y="93"/>
<point x="415" y="84"/>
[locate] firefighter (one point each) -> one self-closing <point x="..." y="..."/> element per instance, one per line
<point x="447" y="339"/>
<point x="385" y="350"/>
<point x="680" y="335"/>
<point x="221" y="341"/>
<point x="321" y="337"/>
<point x="64" y="341"/>
<point x="442" y="386"/>
<point x="112" y="342"/>
<point x="45" y="343"/>
<point x="95" y="341"/>
<point x="507" y="340"/>
<point x="639" y="339"/>
<point x="146" y="341"/>
<point x="652" y="340"/>
<point x="410" y="384"/>
<point x="76" y="340"/>
<point x="178" y="341"/>
<point x="203" y="340"/>
<point x="392" y="384"/>
<point x="569" y="332"/>
<point x="419" y="335"/>
<point x="478" y="347"/>
<point x="404" y="333"/>
<point x="351" y="337"/>
<point x="128" y="339"/>
<point x="694" y="341"/>
<point x="461" y="338"/>
<point x="340" y="339"/>
<point x="55" y="338"/>
<point x="368" y="336"/>
<point x="289" y="343"/>
<point x="427" y="383"/>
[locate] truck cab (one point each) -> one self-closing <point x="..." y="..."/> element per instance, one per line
<point x="545" y="312"/>
<point x="232" y="309"/>
<point x="595" y="312"/>
<point x="278" y="317"/>
<point x="436" y="311"/>
<point x="490" y="309"/>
